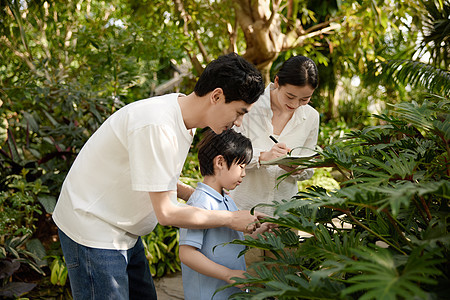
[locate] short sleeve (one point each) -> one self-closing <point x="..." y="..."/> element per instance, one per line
<point x="153" y="154"/>
<point x="194" y="237"/>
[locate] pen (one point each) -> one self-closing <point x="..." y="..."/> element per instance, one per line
<point x="273" y="139"/>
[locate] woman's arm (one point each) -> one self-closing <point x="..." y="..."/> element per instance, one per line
<point x="198" y="262"/>
<point x="254" y="163"/>
<point x="279" y="149"/>
<point x="308" y="149"/>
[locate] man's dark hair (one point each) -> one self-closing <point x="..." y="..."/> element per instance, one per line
<point x="239" y="79"/>
<point x="233" y="146"/>
<point x="300" y="71"/>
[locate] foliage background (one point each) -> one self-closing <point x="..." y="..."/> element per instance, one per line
<point x="65" y="66"/>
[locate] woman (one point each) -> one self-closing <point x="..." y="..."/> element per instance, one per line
<point x="282" y="112"/>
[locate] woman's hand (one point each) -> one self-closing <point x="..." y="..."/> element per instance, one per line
<point x="290" y="169"/>
<point x="277" y="150"/>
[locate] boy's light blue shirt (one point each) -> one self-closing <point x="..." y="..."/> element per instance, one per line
<point x="198" y="286"/>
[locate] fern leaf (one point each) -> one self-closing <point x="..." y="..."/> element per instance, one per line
<point x="380" y="277"/>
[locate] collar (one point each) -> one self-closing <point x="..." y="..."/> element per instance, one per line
<point x="210" y="191"/>
<point x="263" y="104"/>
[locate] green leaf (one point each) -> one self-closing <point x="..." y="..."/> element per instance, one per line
<point x="378" y="275"/>
<point x="35" y="246"/>
<point x="16" y="289"/>
<point x="48" y="202"/>
<point x="31" y="121"/>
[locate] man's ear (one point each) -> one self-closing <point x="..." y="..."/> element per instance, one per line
<point x="216" y="95"/>
<point x="275" y="82"/>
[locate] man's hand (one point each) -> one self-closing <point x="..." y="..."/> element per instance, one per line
<point x="265" y="227"/>
<point x="192" y="217"/>
<point x="242" y="220"/>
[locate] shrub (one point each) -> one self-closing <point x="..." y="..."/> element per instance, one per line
<point x="384" y="233"/>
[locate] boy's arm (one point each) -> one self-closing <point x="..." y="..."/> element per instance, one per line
<point x="191" y="217"/>
<point x="184" y="191"/>
<point x="198" y="262"/>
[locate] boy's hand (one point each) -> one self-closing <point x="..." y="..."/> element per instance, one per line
<point x="242" y="220"/>
<point x="236" y="273"/>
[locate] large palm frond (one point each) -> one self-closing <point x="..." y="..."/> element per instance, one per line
<point x="417" y="74"/>
<point x="436" y="36"/>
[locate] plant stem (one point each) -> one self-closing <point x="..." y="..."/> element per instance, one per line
<point x="447" y="147"/>
<point x="394" y="223"/>
<point x="421" y="212"/>
<point x="374" y="233"/>
<point x="349" y="214"/>
<point x="425" y="206"/>
<point x="342" y="172"/>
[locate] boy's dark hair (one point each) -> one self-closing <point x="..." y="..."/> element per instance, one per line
<point x="300" y="71"/>
<point x="233" y="146"/>
<point x="239" y="79"/>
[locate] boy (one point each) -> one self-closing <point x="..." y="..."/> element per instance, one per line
<point x="222" y="160"/>
<point x="125" y="180"/>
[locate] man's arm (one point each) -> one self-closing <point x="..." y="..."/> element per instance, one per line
<point x="198" y="262"/>
<point x="184" y="191"/>
<point x="191" y="217"/>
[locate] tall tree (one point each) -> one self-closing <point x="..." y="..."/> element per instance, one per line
<point x="345" y="36"/>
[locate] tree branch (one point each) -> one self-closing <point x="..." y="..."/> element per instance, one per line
<point x="187" y="21"/>
<point x="232" y="33"/>
<point x="321" y="25"/>
<point x="197" y="65"/>
<point x="274" y="11"/>
<point x="186" y="18"/>
<point x="21" y="55"/>
<point x="300" y="39"/>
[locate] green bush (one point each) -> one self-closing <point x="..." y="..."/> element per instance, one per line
<point x="161" y="248"/>
<point x="384" y="234"/>
<point x="323" y="177"/>
<point x="19" y="211"/>
<point x="58" y="84"/>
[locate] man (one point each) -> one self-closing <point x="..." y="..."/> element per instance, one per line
<point x="125" y="180"/>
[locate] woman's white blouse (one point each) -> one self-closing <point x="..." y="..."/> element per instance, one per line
<point x="260" y="184"/>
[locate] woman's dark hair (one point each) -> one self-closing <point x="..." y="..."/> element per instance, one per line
<point x="233" y="146"/>
<point x="300" y="71"/>
<point x="239" y="79"/>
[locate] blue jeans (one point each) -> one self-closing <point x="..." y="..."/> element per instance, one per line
<point x="99" y="274"/>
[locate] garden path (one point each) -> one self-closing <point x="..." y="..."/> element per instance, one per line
<point x="170" y="287"/>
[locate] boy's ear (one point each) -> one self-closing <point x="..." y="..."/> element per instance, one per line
<point x="219" y="162"/>
<point x="216" y="95"/>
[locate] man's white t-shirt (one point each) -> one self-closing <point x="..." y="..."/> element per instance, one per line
<point x="104" y="201"/>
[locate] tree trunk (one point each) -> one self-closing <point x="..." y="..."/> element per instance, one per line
<point x="262" y="31"/>
<point x="260" y="20"/>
